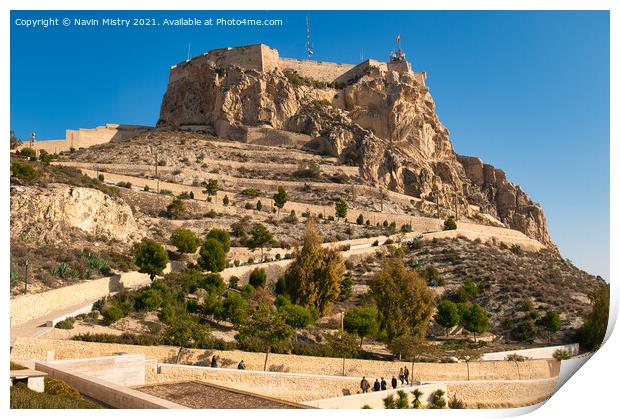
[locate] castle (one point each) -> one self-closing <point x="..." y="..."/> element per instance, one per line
<point x="263" y="58"/>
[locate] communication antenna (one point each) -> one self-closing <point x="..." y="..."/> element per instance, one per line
<point x="189" y="46"/>
<point x="309" y="52"/>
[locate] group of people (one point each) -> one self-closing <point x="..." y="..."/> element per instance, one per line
<point x="240" y="366"/>
<point x="403" y="376"/>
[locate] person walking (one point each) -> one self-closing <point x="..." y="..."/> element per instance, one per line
<point x="401" y="376"/>
<point x="377" y="385"/>
<point x="364" y="385"/>
<point x="394" y="382"/>
<point x="241" y="365"/>
<point x="406" y="372"/>
<point x="213" y="362"/>
<point x="383" y="384"/>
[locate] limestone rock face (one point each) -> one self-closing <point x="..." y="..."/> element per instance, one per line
<point x="384" y="122"/>
<point x="47" y="214"/>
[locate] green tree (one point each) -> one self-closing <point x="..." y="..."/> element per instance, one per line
<point x="296" y="316"/>
<point x="235" y="308"/>
<point x="184" y="240"/>
<point x="259" y="205"/>
<point x="280" y="198"/>
<point x="175" y="208"/>
<point x="449" y="224"/>
<point x="475" y="319"/>
<point x="258" y="278"/>
<point x="212" y="256"/>
<point x="360" y="219"/>
<point x="592" y="333"/>
<point x="261" y="237"/>
<point x="404" y="301"/>
<point x="447" y="314"/>
<point x="211" y="188"/>
<point x="185" y="331"/>
<point x="28" y="152"/>
<point x="212" y="283"/>
<point x="266" y="328"/>
<point x="226" y="200"/>
<point x="362" y="322"/>
<point x="313" y="279"/>
<point x="150" y="257"/>
<point x="341" y="208"/>
<point x="222" y="236"/>
<point x="551" y="323"/>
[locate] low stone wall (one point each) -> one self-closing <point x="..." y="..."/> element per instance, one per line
<point x="109" y="393"/>
<point x="502" y="394"/>
<point x="533" y="353"/>
<point x="36" y="349"/>
<point x="25" y="308"/>
<point x="374" y="400"/>
<point x="123" y="370"/>
<point x="285" y="386"/>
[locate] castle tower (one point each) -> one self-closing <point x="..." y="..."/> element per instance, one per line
<point x="398" y="61"/>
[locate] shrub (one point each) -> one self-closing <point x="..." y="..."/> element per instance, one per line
<point x="258" y="278"/>
<point x="60" y="388"/>
<point x="124" y="185"/>
<point x="148" y="299"/>
<point x="259" y="205"/>
<point x="102" y="178"/>
<point x="516" y="249"/>
<point x="437" y="400"/>
<point x="184" y="240"/>
<point x="65" y="324"/>
<point x="346" y="287"/>
<point x="233" y="281"/>
<point x="251" y="192"/>
<point x="449" y="224"/>
<point x="561" y="354"/>
<point x="455" y="403"/>
<point x="23" y="171"/>
<point x="28" y="152"/>
<point x="360" y="219"/>
<point x="226" y="200"/>
<point x="146" y="188"/>
<point x="112" y="314"/>
<point x="23" y="398"/>
<point x="175" y="208"/>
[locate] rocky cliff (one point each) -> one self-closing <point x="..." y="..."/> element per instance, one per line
<point x="53" y="213"/>
<point x="384" y="122"/>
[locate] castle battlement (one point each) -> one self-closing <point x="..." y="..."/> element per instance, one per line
<point x="263" y="58"/>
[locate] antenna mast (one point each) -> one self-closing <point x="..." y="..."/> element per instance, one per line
<point x="189" y="46"/>
<point x="309" y="51"/>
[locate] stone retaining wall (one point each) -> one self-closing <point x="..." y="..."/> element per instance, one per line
<point x="28" y="348"/>
<point x="503" y="394"/>
<point x="25" y="308"/>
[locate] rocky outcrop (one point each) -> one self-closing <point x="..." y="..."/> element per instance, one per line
<point x="384" y="122"/>
<point x="504" y="199"/>
<point x="51" y="214"/>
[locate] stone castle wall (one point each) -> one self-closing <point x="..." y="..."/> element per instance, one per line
<point x="87" y="137"/>
<point x="261" y="57"/>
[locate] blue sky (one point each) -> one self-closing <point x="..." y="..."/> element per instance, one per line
<point x="525" y="91"/>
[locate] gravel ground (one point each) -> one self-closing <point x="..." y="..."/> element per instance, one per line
<point x="207" y="396"/>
